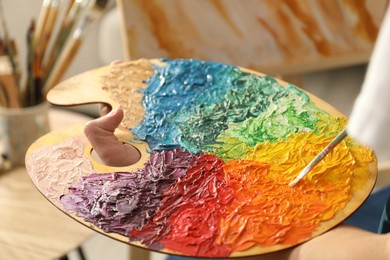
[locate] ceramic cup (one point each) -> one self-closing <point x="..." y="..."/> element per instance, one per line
<point x="19" y="128"/>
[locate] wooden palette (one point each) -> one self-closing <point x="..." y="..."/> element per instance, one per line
<point x="60" y="159"/>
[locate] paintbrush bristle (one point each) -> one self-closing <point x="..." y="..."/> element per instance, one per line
<point x="101" y="4"/>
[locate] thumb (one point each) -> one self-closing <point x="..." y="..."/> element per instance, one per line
<point x="109" y="150"/>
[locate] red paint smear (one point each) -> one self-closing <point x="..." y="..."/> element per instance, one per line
<point x="189" y="218"/>
<point x="222" y="208"/>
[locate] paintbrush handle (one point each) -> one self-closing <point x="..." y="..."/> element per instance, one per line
<point x="320" y="156"/>
<point x="10" y="89"/>
<point x="328" y="149"/>
<point x="62" y="63"/>
<point x="47" y="30"/>
<point x="8" y="84"/>
<point x="42" y="18"/>
<point x="3" y="97"/>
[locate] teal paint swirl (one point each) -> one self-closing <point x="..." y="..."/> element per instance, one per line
<point x="175" y="92"/>
<point x="248" y="100"/>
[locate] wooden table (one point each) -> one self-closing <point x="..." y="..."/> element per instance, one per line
<point x="30" y="226"/>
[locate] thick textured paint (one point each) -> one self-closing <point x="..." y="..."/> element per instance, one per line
<point x="190" y="213"/>
<point x="70" y="165"/>
<point x="225" y="146"/>
<point x="120" y="201"/>
<point x="289" y="111"/>
<point x="275" y="125"/>
<point x="176" y="92"/>
<point x="190" y="103"/>
<point x="266" y="211"/>
<point x="204" y="127"/>
<point x="125" y="80"/>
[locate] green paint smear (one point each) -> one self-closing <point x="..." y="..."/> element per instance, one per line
<point x="259" y="110"/>
<point x="252" y="97"/>
<point x="291" y="112"/>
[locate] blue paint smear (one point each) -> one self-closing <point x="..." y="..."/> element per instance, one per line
<point x="173" y="93"/>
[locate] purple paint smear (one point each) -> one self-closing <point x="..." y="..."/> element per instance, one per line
<point x="120" y="201"/>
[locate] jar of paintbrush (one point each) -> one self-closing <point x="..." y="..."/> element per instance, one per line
<point x="20" y="125"/>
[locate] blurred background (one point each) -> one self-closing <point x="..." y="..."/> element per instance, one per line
<point x="337" y="82"/>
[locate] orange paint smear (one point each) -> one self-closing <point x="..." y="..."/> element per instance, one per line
<point x="266" y="211"/>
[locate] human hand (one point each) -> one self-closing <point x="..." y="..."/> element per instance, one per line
<point x="108" y="149"/>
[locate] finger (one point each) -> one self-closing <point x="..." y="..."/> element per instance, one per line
<point x="104" y="109"/>
<point x="110" y="151"/>
<point x="116" y="62"/>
